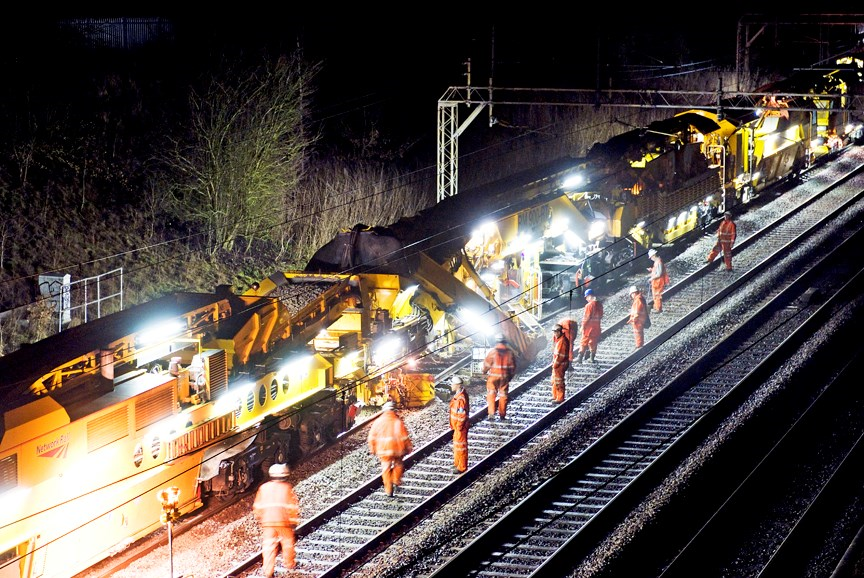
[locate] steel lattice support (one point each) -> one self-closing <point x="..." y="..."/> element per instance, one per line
<point x="448" y="149"/>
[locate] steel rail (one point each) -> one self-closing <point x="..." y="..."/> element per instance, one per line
<point x="370" y="514"/>
<point x="586" y="491"/>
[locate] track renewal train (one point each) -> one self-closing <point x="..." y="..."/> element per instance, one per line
<point x="549" y="230"/>
<point x="113" y="427"/>
<point x="656" y="185"/>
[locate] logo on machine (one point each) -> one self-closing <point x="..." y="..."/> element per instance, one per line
<point x="55" y="448"/>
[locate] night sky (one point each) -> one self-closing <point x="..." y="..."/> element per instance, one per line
<point x="397" y="64"/>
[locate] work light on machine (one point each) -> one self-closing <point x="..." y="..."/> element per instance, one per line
<point x="386" y="351"/>
<point x="518" y="244"/>
<point x="228" y="403"/>
<point x="162" y="331"/>
<point x="478" y="322"/>
<point x="297" y="367"/>
<point x="557" y="228"/>
<point x="572" y="181"/>
<point x="483" y="233"/>
<point x="596" y="229"/>
<point x="573" y="241"/>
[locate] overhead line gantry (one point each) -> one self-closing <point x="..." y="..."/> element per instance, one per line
<point x="478" y="99"/>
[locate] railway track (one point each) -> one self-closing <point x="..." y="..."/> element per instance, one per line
<point x="146" y="546"/>
<point x="347" y="533"/>
<point x="794" y="506"/>
<point x="564" y="519"/>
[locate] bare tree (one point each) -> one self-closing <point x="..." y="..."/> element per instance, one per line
<point x="244" y="152"/>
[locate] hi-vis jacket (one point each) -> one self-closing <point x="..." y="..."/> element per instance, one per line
<point x="388" y="436"/>
<point x="638" y="311"/>
<point x="459" y="411"/>
<point x="726" y="232"/>
<point x="276" y="504"/>
<point x="500" y="362"/>
<point x="658" y="271"/>
<point x="561" y="352"/>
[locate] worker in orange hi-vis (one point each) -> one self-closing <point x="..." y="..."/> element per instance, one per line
<point x="592" y="315"/>
<point x="459" y="423"/>
<point x="638" y="315"/>
<point x="499" y="367"/>
<point x="560" y="362"/>
<point x="571" y="330"/>
<point x="278" y="512"/>
<point x="659" y="278"/>
<point x="389" y="440"/>
<point x="726" y="234"/>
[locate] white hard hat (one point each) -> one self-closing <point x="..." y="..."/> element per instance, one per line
<point x="633" y="289"/>
<point x="651" y="252"/>
<point x="279" y="471"/>
<point x="499" y="337"/>
<point x="456" y="380"/>
<point x="388" y="406"/>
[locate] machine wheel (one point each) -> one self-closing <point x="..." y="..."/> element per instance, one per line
<point x="242" y="475"/>
<point x="313" y="436"/>
<point x="279" y="456"/>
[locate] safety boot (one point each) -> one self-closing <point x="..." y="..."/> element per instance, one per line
<point x="580" y="356"/>
<point x="593" y="353"/>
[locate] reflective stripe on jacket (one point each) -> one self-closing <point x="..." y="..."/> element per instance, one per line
<point x="638" y="311"/>
<point x="388" y="436"/>
<point x="459" y="411"/>
<point x="726" y="232"/>
<point x="561" y="352"/>
<point x="500" y="362"/>
<point x="593" y="312"/>
<point x="276" y="504"/>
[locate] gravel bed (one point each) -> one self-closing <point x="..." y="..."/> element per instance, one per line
<point x="212" y="547"/>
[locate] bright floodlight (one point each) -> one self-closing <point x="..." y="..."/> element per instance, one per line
<point x="572" y="181"/>
<point x="297" y="367"/>
<point x="479" y="323"/>
<point x="597" y="229"/>
<point x="386" y="351"/>
<point x="161" y="332"/>
<point x="573" y="240"/>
